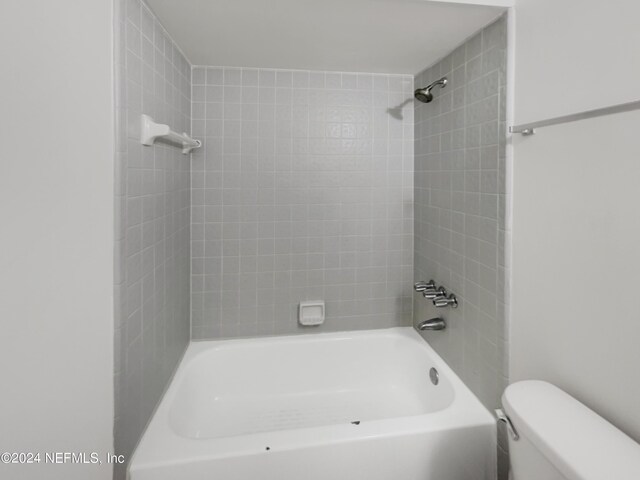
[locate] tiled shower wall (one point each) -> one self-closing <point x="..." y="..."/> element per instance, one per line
<point x="152" y="221"/>
<point x="460" y="192"/>
<point x="303" y="191"/>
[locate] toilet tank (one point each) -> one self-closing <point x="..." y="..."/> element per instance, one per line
<point x="562" y="439"/>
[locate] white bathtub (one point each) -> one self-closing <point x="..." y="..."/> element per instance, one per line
<point x="351" y="405"/>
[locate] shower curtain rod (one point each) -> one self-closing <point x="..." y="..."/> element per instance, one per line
<point x="529" y="128"/>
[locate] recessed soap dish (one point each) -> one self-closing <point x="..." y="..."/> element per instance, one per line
<point x="311" y="313"/>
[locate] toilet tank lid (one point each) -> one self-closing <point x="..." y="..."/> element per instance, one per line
<point x="577" y="441"/>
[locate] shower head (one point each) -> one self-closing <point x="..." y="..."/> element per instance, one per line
<point x="424" y="94"/>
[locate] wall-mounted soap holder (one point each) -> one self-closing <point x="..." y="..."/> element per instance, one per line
<point x="311" y="313"/>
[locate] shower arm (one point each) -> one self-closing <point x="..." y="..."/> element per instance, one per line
<point x="441" y="83"/>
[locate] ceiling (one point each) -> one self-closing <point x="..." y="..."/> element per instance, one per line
<point x="378" y="36"/>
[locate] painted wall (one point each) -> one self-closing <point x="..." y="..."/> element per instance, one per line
<point x="460" y="197"/>
<point x="303" y="191"/>
<point x="574" y="56"/>
<point x="575" y="322"/>
<point x="56" y="245"/>
<point x="152" y="221"/>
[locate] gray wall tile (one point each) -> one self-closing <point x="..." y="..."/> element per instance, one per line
<point x="459" y="208"/>
<point x="303" y="190"/>
<point x="152" y="216"/>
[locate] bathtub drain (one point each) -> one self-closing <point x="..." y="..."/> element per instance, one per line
<point x="355" y="422"/>
<point x="434" y="376"/>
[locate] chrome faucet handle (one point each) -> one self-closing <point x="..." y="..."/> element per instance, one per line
<point x="421" y="286"/>
<point x="450" y="301"/>
<point x="434" y="293"/>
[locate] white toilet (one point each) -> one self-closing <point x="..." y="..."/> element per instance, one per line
<point x="555" y="437"/>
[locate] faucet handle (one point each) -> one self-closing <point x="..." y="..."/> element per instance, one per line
<point x="450" y="301"/>
<point x="434" y="293"/>
<point x="422" y="286"/>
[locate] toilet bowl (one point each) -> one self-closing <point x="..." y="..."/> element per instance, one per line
<point x="555" y="437"/>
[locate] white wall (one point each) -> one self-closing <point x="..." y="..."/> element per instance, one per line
<point x="56" y="258"/>
<point x="576" y="263"/>
<point x="575" y="55"/>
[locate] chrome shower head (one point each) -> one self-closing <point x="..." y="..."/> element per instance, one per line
<point x="424" y="94"/>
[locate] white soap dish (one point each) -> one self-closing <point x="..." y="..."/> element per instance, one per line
<point x="311" y="313"/>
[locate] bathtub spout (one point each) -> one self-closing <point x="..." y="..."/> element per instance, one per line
<point x="432" y="324"/>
